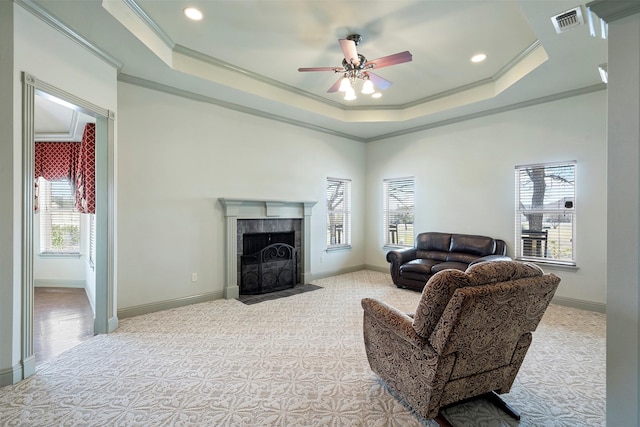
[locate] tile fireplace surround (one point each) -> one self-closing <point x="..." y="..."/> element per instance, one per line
<point x="235" y="209"/>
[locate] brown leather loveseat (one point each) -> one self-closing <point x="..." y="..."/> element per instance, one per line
<point x="433" y="252"/>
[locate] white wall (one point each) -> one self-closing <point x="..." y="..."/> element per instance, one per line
<point x="9" y="254"/>
<point x="464" y="176"/>
<point x="53" y="58"/>
<point x="177" y="157"/>
<point x="623" y="296"/>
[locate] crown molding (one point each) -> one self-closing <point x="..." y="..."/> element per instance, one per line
<point x="511" y="107"/>
<point x="194" y="54"/>
<point x="137" y="81"/>
<point x="611" y="10"/>
<point x="140" y="13"/>
<point x="70" y="135"/>
<point x="45" y="16"/>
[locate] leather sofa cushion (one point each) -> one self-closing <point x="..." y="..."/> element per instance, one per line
<point x="462" y="266"/>
<point x="433" y="241"/>
<point x="418" y="266"/>
<point x="477" y="245"/>
<point x="467" y="258"/>
<point x="437" y="255"/>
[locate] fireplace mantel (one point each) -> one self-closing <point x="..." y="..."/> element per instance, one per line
<point x="235" y="209"/>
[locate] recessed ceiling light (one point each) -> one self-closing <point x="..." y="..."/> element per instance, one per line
<point x="376" y="95"/>
<point x="193" y="13"/>
<point x="478" y="58"/>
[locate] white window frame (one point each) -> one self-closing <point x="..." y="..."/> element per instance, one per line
<point x="553" y="239"/>
<point x="338" y="199"/>
<point x="51" y="212"/>
<point x="399" y="212"/>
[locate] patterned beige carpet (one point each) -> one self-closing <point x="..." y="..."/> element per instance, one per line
<point x="295" y="361"/>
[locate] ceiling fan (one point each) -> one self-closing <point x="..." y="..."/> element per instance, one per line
<point x="356" y="67"/>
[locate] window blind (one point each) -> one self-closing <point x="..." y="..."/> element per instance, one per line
<point x="399" y="195"/>
<point x="545" y="212"/>
<point x="92" y="239"/>
<point x="59" y="221"/>
<point x="338" y="212"/>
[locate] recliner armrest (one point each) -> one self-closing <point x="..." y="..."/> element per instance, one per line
<point x="490" y="258"/>
<point x="394" y="320"/>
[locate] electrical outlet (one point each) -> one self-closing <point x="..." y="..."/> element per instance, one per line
<point x="194" y="277"/>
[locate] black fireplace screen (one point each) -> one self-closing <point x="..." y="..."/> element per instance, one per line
<point x="272" y="267"/>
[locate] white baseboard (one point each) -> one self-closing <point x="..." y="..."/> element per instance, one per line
<point x="112" y="324"/>
<point x="384" y="269"/>
<point x="581" y="304"/>
<point x="58" y="283"/>
<point x="11" y="375"/>
<point x="165" y="305"/>
<point x="336" y="272"/>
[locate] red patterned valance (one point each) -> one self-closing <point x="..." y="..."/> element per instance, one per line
<point x="72" y="161"/>
<point x="86" y="172"/>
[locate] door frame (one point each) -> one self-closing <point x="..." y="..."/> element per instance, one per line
<point x="105" y="309"/>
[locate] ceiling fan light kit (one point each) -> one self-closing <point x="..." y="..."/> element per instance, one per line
<point x="356" y="67"/>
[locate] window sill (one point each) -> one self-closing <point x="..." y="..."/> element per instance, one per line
<point x="550" y="265"/>
<point x="395" y="247"/>
<point x="338" y="248"/>
<point x="58" y="255"/>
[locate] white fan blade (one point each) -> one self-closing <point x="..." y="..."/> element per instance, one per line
<point x="378" y="81"/>
<point x="350" y="52"/>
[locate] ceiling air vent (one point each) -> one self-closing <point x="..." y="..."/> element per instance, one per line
<point x="568" y="20"/>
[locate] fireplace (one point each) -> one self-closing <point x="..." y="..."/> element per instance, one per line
<point x="246" y="216"/>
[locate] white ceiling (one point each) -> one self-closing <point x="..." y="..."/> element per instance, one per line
<point x="56" y="120"/>
<point x="245" y="54"/>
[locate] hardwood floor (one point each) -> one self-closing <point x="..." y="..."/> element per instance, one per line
<point x="62" y="319"/>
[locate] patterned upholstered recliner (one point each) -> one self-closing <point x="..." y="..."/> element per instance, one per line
<point x="468" y="337"/>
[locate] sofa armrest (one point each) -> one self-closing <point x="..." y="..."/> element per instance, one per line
<point x="400" y="256"/>
<point x="490" y="258"/>
<point x="396" y="258"/>
<point x="394" y="320"/>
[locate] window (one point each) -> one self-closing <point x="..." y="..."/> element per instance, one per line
<point x="59" y="221"/>
<point x="398" y="211"/>
<point x="545" y="212"/>
<point x="338" y="212"/>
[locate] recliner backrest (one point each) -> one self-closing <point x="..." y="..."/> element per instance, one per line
<point x="435" y="297"/>
<point x="486" y="321"/>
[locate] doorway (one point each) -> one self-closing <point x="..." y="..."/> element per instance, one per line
<point x="105" y="319"/>
<point x="64" y="227"/>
